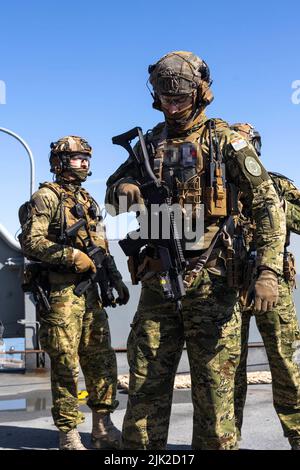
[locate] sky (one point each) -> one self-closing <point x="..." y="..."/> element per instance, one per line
<point x="73" y="67"/>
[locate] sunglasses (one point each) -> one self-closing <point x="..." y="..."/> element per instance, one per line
<point x="180" y="101"/>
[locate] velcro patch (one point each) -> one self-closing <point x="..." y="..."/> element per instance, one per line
<point x="39" y="203"/>
<point x="252" y="166"/>
<point x="238" y="143"/>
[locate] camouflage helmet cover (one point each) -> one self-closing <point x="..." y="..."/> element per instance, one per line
<point x="181" y="72"/>
<point x="71" y="144"/>
<point x="62" y="150"/>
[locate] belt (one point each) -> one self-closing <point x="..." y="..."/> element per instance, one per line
<point x="63" y="278"/>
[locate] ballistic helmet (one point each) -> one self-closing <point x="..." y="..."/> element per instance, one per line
<point x="178" y="73"/>
<point x="66" y="148"/>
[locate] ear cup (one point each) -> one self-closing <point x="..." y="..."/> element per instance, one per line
<point x="151" y="68"/>
<point x="156" y="102"/>
<point x="205" y="72"/>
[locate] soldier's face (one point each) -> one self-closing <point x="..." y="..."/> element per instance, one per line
<point x="82" y="162"/>
<point x="172" y="105"/>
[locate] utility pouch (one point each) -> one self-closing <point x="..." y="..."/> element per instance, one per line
<point x="143" y="267"/>
<point x="148" y="268"/>
<point x="215" y="193"/>
<point x="189" y="193"/>
<point x="36" y="282"/>
<point x="215" y="198"/>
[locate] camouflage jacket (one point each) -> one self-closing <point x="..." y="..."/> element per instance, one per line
<point x="243" y="169"/>
<point x="49" y="212"/>
<point x="291" y="196"/>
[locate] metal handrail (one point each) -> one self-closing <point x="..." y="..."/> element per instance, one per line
<point x="27" y="148"/>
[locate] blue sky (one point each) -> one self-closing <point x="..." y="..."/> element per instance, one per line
<point x="73" y="67"/>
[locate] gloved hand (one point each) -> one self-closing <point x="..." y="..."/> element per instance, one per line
<point x="266" y="291"/>
<point x="116" y="281"/>
<point x="123" y="292"/>
<point x="131" y="192"/>
<point x="82" y="262"/>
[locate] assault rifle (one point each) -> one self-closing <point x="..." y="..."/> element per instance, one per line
<point x="153" y="191"/>
<point x="101" y="279"/>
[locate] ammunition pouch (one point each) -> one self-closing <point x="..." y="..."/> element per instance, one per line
<point x="289" y="268"/>
<point x="36" y="282"/>
<point x="215" y="192"/>
<point x="190" y="194"/>
<point x="143" y="266"/>
<point x="215" y="199"/>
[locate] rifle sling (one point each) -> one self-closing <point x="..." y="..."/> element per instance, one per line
<point x="204" y="257"/>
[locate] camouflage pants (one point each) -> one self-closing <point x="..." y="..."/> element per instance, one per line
<point x="210" y="325"/>
<point x="280" y="333"/>
<point x="77" y="331"/>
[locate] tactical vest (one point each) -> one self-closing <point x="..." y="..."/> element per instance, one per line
<point x="193" y="165"/>
<point x="71" y="207"/>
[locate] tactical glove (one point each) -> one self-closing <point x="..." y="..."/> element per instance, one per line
<point x="116" y="281"/>
<point x="82" y="262"/>
<point x="123" y="292"/>
<point x="266" y="291"/>
<point x="131" y="192"/>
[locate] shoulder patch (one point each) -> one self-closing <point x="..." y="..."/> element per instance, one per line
<point x="238" y="143"/>
<point x="252" y="166"/>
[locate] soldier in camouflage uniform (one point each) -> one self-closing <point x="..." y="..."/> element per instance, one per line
<point x="278" y="327"/>
<point x="76" y="329"/>
<point x="210" y="319"/>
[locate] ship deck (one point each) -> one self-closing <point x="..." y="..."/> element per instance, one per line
<point x="26" y="422"/>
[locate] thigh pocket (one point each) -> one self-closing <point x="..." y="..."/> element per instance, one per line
<point x="49" y="339"/>
<point x="65" y="306"/>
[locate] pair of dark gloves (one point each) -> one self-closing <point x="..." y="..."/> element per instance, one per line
<point x="83" y="263"/>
